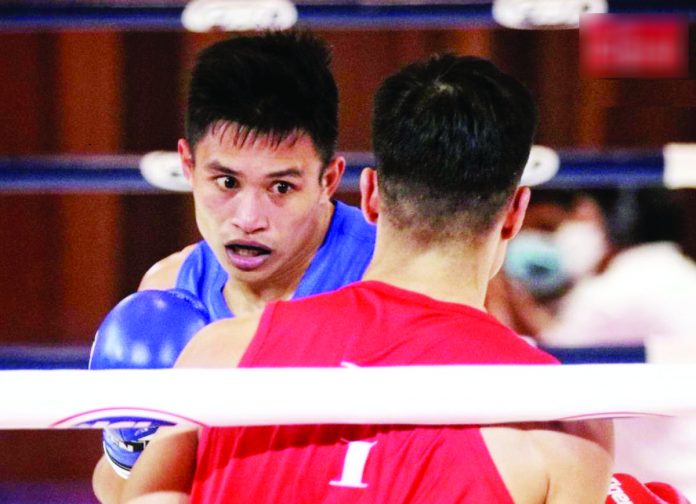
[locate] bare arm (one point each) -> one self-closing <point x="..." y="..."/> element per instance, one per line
<point x="162" y="275"/>
<point x="220" y="344"/>
<point x="579" y="458"/>
<point x="108" y="485"/>
<point x="166" y="468"/>
<point x="553" y="462"/>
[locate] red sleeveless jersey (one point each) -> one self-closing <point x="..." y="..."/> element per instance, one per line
<point x="363" y="324"/>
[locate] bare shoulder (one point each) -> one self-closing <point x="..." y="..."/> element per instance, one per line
<point x="579" y="457"/>
<point x="162" y="275"/>
<point x="553" y="461"/>
<point x="220" y="344"/>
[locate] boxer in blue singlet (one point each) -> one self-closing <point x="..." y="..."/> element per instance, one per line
<point x="259" y="152"/>
<point x="341" y="259"/>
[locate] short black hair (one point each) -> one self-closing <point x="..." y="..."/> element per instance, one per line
<point x="636" y="216"/>
<point x="451" y="136"/>
<point x="275" y="83"/>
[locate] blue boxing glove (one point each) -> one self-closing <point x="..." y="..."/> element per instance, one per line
<point x="146" y="330"/>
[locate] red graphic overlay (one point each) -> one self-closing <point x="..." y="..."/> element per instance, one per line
<point x="633" y="46"/>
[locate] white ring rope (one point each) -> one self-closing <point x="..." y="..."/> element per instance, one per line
<point x="379" y="395"/>
<point x="162" y="169"/>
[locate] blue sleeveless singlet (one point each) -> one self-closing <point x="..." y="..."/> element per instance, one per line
<point x="341" y="259"/>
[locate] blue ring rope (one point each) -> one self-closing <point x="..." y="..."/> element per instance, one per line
<point x="120" y="173"/>
<point x="36" y="15"/>
<point x="77" y="357"/>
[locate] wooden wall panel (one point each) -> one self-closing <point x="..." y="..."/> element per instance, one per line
<point x="557" y="83"/>
<point x="27" y="259"/>
<point x="154" y="227"/>
<point x="476" y="41"/>
<point x="49" y="455"/>
<point x="154" y="111"/>
<point x="595" y="97"/>
<point x="89" y="88"/>
<point x="28" y="286"/>
<point x="27" y="62"/>
<point x="360" y="61"/>
<point x="150" y="81"/>
<point x="89" y="263"/>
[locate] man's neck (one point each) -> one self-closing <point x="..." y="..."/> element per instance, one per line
<point x="244" y="297"/>
<point x="456" y="274"/>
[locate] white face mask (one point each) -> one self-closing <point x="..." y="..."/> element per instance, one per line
<point x="548" y="262"/>
<point x="534" y="260"/>
<point x="582" y="245"/>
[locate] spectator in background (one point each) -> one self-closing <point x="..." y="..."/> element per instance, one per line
<point x="614" y="275"/>
<point x="543" y="262"/>
<point x="605" y="268"/>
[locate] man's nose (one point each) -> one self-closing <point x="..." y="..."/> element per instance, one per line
<point x="249" y="213"/>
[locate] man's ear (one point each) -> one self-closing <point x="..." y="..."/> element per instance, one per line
<point x="369" y="195"/>
<point x="331" y="178"/>
<point x="186" y="156"/>
<point x="514" y="213"/>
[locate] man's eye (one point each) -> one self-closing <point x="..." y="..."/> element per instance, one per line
<point x="226" y="182"/>
<point x="282" y="187"/>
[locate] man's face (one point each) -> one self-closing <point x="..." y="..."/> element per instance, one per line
<point x="261" y="207"/>
<point x="557" y="246"/>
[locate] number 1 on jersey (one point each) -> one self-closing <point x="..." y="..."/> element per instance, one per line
<point x="354" y="465"/>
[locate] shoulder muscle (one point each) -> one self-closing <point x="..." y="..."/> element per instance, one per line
<point x="162" y="275"/>
<point x="553" y="462"/>
<point x="579" y="459"/>
<point x="220" y="344"/>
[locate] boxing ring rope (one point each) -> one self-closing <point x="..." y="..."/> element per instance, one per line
<point x="23" y="357"/>
<point x="44" y="357"/>
<point x="654" y="351"/>
<point x="670" y="167"/>
<point x="328" y="14"/>
<point x="428" y="395"/>
<point x="72" y="174"/>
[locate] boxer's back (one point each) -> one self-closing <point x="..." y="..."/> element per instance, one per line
<point x="366" y="324"/>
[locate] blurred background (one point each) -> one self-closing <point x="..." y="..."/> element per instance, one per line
<point x="117" y="88"/>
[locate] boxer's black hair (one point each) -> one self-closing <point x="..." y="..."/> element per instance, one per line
<point x="451" y="137"/>
<point x="275" y="84"/>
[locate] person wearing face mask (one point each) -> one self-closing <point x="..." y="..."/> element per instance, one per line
<point x="544" y="257"/>
<point x="629" y="286"/>
<point x="564" y="240"/>
<point x="609" y="271"/>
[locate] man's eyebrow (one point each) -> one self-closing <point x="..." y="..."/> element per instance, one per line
<point x="285" y="173"/>
<point x="289" y="172"/>
<point x="216" y="166"/>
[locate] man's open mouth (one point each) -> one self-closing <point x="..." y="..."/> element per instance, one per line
<point x="248" y="250"/>
<point x="247" y="256"/>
